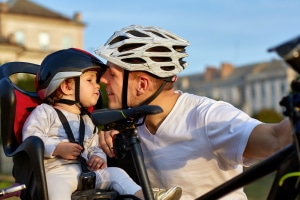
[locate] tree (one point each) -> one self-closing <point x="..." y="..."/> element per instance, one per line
<point x="268" y="116"/>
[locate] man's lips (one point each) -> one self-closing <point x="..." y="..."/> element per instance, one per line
<point x="109" y="93"/>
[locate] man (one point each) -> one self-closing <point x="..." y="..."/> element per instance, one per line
<point x="196" y="142"/>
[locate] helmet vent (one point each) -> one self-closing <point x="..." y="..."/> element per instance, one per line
<point x="134" y="60"/>
<point x="182" y="63"/>
<point x="158" y="34"/>
<point x="128" y="47"/>
<point x="161" y="59"/>
<point x="171" y="37"/>
<point x="167" y="68"/>
<point x="125" y="54"/>
<point x="118" y="39"/>
<point x="158" y="49"/>
<point x="180" y="49"/>
<point x="137" y="33"/>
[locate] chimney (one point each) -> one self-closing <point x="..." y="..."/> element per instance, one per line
<point x="210" y="73"/>
<point x="226" y="69"/>
<point x="3" y="7"/>
<point x="77" y="17"/>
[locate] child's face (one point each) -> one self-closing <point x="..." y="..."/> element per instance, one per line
<point x="89" y="89"/>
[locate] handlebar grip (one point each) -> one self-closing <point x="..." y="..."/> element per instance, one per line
<point x="13" y="191"/>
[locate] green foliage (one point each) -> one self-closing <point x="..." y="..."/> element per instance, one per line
<point x="259" y="190"/>
<point x="5" y="184"/>
<point x="27" y="85"/>
<point x="268" y="116"/>
<point x="104" y="95"/>
<point x="24" y="81"/>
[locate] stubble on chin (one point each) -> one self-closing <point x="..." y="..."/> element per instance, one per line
<point x="113" y="106"/>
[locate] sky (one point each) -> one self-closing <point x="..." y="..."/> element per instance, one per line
<point x="233" y="31"/>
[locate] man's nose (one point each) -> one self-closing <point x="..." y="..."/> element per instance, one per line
<point x="103" y="78"/>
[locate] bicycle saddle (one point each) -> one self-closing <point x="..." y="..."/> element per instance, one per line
<point x="289" y="51"/>
<point x="102" y="117"/>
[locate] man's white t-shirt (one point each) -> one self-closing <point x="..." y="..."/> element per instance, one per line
<point x="198" y="146"/>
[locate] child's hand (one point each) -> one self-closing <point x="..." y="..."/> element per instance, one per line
<point x="95" y="163"/>
<point x="67" y="150"/>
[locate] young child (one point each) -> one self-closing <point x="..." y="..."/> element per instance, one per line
<point x="68" y="83"/>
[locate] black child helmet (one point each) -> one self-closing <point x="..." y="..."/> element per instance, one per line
<point x="63" y="64"/>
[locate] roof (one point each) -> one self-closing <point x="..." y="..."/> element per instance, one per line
<point x="27" y="7"/>
<point x="237" y="76"/>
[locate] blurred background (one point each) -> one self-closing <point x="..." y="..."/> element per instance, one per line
<point x="228" y="58"/>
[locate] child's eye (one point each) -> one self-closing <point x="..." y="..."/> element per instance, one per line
<point x="90" y="80"/>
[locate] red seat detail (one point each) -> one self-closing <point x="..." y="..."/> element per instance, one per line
<point x="24" y="105"/>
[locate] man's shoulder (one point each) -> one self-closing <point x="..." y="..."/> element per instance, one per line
<point x="197" y="99"/>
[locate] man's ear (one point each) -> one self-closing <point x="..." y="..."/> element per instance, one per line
<point x="144" y="83"/>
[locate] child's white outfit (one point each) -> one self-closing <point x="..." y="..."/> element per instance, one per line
<point x="62" y="175"/>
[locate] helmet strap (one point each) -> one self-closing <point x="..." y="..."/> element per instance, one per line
<point x="158" y="91"/>
<point x="124" y="89"/>
<point x="148" y="100"/>
<point x="77" y="89"/>
<point x="67" y="101"/>
<point x="77" y="102"/>
<point x="83" y="110"/>
<point x="154" y="95"/>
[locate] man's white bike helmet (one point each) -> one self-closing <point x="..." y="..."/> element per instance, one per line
<point x="150" y="49"/>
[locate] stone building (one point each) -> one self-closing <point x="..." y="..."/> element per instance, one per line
<point x="28" y="31"/>
<point x="251" y="87"/>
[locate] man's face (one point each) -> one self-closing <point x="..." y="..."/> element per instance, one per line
<point x="113" y="79"/>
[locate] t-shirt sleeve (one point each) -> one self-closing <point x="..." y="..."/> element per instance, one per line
<point x="228" y="130"/>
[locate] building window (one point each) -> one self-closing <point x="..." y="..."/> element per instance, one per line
<point x="19" y="37"/>
<point x="283" y="87"/>
<point x="44" y="41"/>
<point x="253" y="92"/>
<point x="263" y="90"/>
<point x="67" y="42"/>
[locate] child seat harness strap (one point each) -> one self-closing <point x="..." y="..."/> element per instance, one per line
<point x="71" y="138"/>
